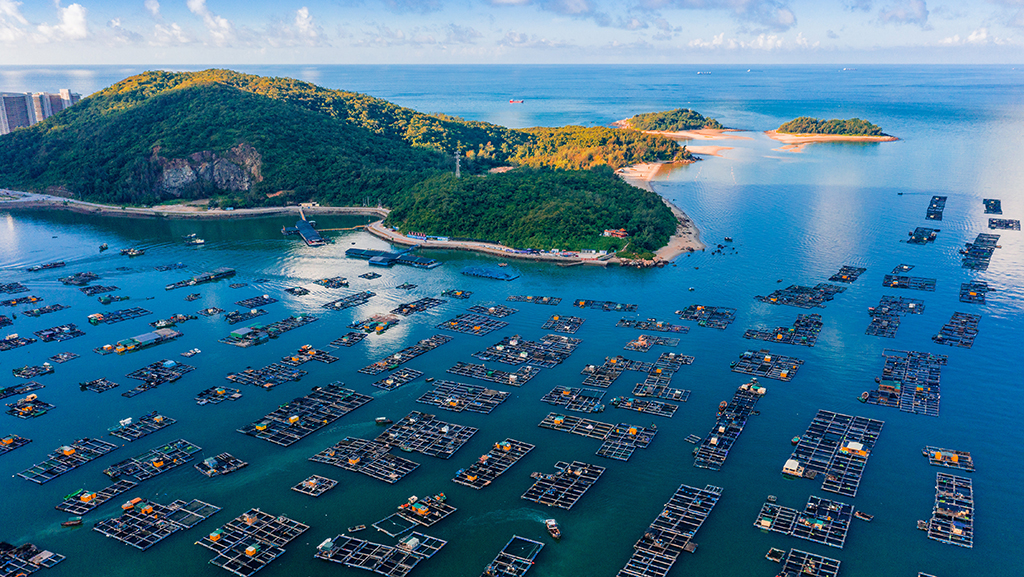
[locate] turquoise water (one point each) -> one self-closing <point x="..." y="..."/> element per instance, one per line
<point x="794" y="216"/>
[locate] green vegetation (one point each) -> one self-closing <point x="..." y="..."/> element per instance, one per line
<point x="579" y="148"/>
<point x="851" y="127"/>
<point x="673" y="121"/>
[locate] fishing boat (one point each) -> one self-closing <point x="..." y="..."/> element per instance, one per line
<point x="356" y="528"/>
<point x="552" y="527"/>
<point x="132" y="252"/>
<point x="430" y="379"/>
<point x="722" y="406"/>
<point x="103" y="247"/>
<point x="72" y="522"/>
<point x="863" y="516"/>
<point x="795" y="440"/>
<point x="195" y="242"/>
<point x="516" y="101"/>
<point x="383" y="421"/>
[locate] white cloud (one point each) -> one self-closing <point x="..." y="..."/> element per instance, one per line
<point x="979" y="37"/>
<point x="12" y="23"/>
<point x="765" y="42"/>
<point x="71" y="25"/>
<point x="169" y="35"/>
<point x="905" y="12"/>
<point x="770" y="14"/>
<point x="461" y="34"/>
<point x="515" y="39"/>
<point x="118" y="34"/>
<point x="221" y="29"/>
<point x="154" y="7"/>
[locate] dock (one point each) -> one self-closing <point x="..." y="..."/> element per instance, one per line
<point x="215" y="395"/>
<point x="908" y="282"/>
<point x="148" y="424"/>
<point x="652" y="324"/>
<point x="715" y="447"/>
<point x="352" y="300"/>
<point x="577" y="400"/>
<point x="65" y="459"/>
<point x="837" y="446"/>
<point x="221" y="464"/>
<point x="1003" y="224"/>
<point x="618" y="442"/>
<point x="391" y="561"/>
<point x="960" y="331"/>
<point x="822" y="521"/>
<point x="847" y="274"/>
<point x="300" y="417"/>
<point x="156" y="374"/>
<point x="803" y="296"/>
<point x="643" y="343"/>
<point x="952" y="519"/>
<point x="708" y="317"/>
<point x="424" y="433"/>
<point x="910" y="382"/>
<point x="9" y="443"/>
<point x="553" y="301"/>
<point x="496" y="311"/>
<point x="347" y="340"/>
<point x="804" y="332"/>
<point x="993" y="206"/>
<point x="83" y="501"/>
<point x="974" y="292"/>
<point x="315" y="485"/>
<point x="393" y="361"/>
<point x="548" y="352"/>
<point x="458" y="397"/>
<point x="606" y="306"/>
<point x="154" y="461"/>
<point x="762" y="363"/>
<point x="515" y="558"/>
<point x="493" y="464"/>
<point x="671" y="532"/>
<point x="25" y="559"/>
<point x="567" y="325"/>
<point x="799" y="562"/>
<point x="887" y="315"/>
<point x="423" y="304"/>
<point x="398" y="378"/>
<point x="950" y="458"/>
<point x="472" y="324"/>
<point x="367" y="457"/>
<point x="978" y="254"/>
<point x="516" y="379"/>
<point x="923" y="235"/>
<point x="251" y="541"/>
<point x="565" y="486"/>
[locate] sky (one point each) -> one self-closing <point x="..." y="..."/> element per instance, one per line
<point x="199" y="32"/>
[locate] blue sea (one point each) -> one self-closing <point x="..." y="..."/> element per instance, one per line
<point x="793" y="217"/>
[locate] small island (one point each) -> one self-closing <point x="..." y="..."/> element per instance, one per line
<point x="678" y="120"/>
<point x="799" y="132"/>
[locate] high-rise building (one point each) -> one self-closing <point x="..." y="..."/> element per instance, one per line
<point x="23" y="109"/>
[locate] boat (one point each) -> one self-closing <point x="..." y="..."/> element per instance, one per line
<point x="516" y="101"/>
<point x="103" y="247"/>
<point x="405" y="448"/>
<point x="195" y="242"/>
<point x="722" y="406"/>
<point x="356" y="528"/>
<point x="795" y="440"/>
<point x="383" y="421"/>
<point x="502" y="264"/>
<point x="552" y="527"/>
<point x="132" y="252"/>
<point x="72" y="522"/>
<point x="863" y="516"/>
<point x="728" y="239"/>
<point x="121" y="424"/>
<point x="863" y="397"/>
<point x="430" y="379"/>
<point x="46" y="266"/>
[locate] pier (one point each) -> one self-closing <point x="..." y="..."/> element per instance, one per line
<point x="618" y="441"/>
<point x="458" y="397"/>
<point x="804" y="332"/>
<point x="709" y="317"/>
<point x="367" y="457"/>
<point x="303" y="416"/>
<point x="548" y="353"/>
<point x="763" y="363"/>
<point x="492" y="465"/>
<point x="496" y="311"/>
<point x="67" y="458"/>
<point x="398" y="378"/>
<point x="472" y="324"/>
<point x="515" y="558"/>
<point x="315" y="485"/>
<point x="652" y="324"/>
<point x="910" y="382"/>
<point x="822" y="521"/>
<point x="802" y="296"/>
<point x="146" y="425"/>
<point x="83" y="501"/>
<point x="155" y="461"/>
<point x="565" y="486"/>
<point x="732" y="418"/>
<point x="847" y="274"/>
<point x="392" y="362"/>
<point x="516" y="379"/>
<point x="390" y="561"/>
<point x="424" y="433"/>
<point x="949" y="458"/>
<point x="952" y="519"/>
<point x="251" y="541"/>
<point x="577" y="400"/>
<point x="837" y="446"/>
<point x="960" y="331"/>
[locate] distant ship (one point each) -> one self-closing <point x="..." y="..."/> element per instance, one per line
<point x="516" y="101"/>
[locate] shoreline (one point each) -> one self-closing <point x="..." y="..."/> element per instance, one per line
<point x="699" y="134"/>
<point x="687" y="236"/>
<point x="797" y="142"/>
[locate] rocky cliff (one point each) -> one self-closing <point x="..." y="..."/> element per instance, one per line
<point x="234" y="171"/>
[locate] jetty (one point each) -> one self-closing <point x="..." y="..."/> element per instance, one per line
<point x="392" y="561"/>
<point x="804" y="332"/>
<point x="83" y="501"/>
<point x="251" y="541"/>
<point x="709" y="317"/>
<point x="952" y="519"/>
<point x="458" y="397"/>
<point x="837" y="446"/>
<point x="803" y="296"/>
<point x="847" y="274"/>
<point x="762" y="363"/>
<point x="565" y="486"/>
<point x="300" y="417"/>
<point x="732" y="418"/>
<point x="315" y="485"/>
<point x="822" y="521"/>
<point x="212" y="276"/>
<point x="960" y="331"/>
<point x="516" y="379"/>
<point x="67" y="458"/>
<point x="949" y="458"/>
<point x="304" y="228"/>
<point x="515" y="558"/>
<point x="155" y="461"/>
<point x="424" y="433"/>
<point x="910" y="382"/>
<point x="548" y="352"/>
<point x="370" y="458"/>
<point x="493" y="464"/>
<point x="618" y="442"/>
<point x="935" y="208"/>
<point x="393" y="361"/>
<point x="472" y="324"/>
<point x="577" y="400"/>
<point x="133" y="430"/>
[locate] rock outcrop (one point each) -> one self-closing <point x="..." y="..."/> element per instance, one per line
<point x="234" y="171"/>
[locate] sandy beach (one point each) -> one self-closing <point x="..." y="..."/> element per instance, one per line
<point x="708" y="150"/>
<point x="687" y="236"/>
<point x="797" y="142"/>
<point x="700" y="134"/>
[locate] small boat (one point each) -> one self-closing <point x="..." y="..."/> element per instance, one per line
<point x="552" y="527"/>
<point x="72" y="522"/>
<point x="405" y="448"/>
<point x="728" y="239"/>
<point x="722" y="406"/>
<point x="863" y="516"/>
<point x="383" y="421"/>
<point x="502" y="264"/>
<point x="195" y="242"/>
<point x="795" y="440"/>
<point x="103" y="247"/>
<point x="863" y="397"/>
<point x="516" y="101"/>
<point x="132" y="252"/>
<point x="691" y="289"/>
<point x="772" y="498"/>
<point x="356" y="528"/>
<point x="430" y="379"/>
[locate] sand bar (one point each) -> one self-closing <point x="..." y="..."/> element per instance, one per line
<point x="699" y="134"/>
<point x="797" y="142"/>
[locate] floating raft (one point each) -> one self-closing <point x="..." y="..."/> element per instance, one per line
<point x="568" y="325"/>
<point x="935" y="208"/>
<point x="391" y="362"/>
<point x="496" y="311"/>
<point x="406" y="286"/>
<point x="1003" y="224"/>
<point x="12" y="288"/>
<point x="847" y="274"/>
<point x="303" y="416"/>
<point x="661" y="392"/>
<point x="804" y="331"/>
<point x="515" y="558"/>
<point x="20" y="389"/>
<point x="565" y="486"/>
<point x="671" y="532"/>
<point x="238" y="285"/>
<point x="799" y="562"/>
<point x="21" y="301"/>
<point x="909" y="382"/>
<point x="79" y="278"/>
<point x="458" y="397"/>
<point x="67" y="458"/>
<point x="886" y="316"/>
<point x="423" y="433"/>
<point x="209" y="312"/>
<point x="949" y="458"/>
<point x="167" y="267"/>
<point x="370" y="275"/>
<point x="714" y="449"/>
<point x="549" y="352"/>
<point x="423" y="304"/>
<point x="29" y="407"/>
<point x="145" y="425"/>
<point x="222" y="464"/>
<point x="347" y="340"/>
<point x="710" y="317"/>
<point x="156" y="374"/>
<point x="91" y="291"/>
<point x="763" y="363"/>
<point x="297" y="291"/>
<point x="578" y="400"/>
<point x="643" y="343"/>
<point x="974" y="292"/>
<point x="377" y="324"/>
<point x="822" y="521"/>
<point x="349" y="301"/>
<point x="155" y="461"/>
<point x="83" y="501"/>
<point x="659" y="373"/>
<point x="606" y="306"/>
<point x="14" y="341"/>
<point x="425" y="512"/>
<point x="63" y="357"/>
<point x="12" y="442"/>
<point x="952" y="519"/>
<point x="5" y="321"/>
<point x="257" y="301"/>
<point x="457" y="294"/>
<point x="657" y="408"/>
<point x="235" y="317"/>
<point x="553" y="301"/>
<point x="489" y="467"/>
<point x="472" y="324"/>
<point x="267" y="377"/>
<point x="398" y="378"/>
<point x="215" y="395"/>
<point x="838" y="446"/>
<point x="315" y="485"/>
<point x="25" y="559"/>
<point x="367" y="457"/>
<point x="978" y="254"/>
<point x="397" y="561"/>
<point x="619" y="441"/>
<point x="652" y="324"/>
<point x="802" y="296"/>
<point x="908" y="282"/>
<point x="45" y="310"/>
<point x="118" y="316"/>
<point x="32" y="371"/>
<point x="333" y="282"/>
<point x="993" y="206"/>
<point x="251" y="541"/>
<point x="516" y="379"/>
<point x="923" y="235"/>
<point x="960" y="331"/>
<point x="307" y="353"/>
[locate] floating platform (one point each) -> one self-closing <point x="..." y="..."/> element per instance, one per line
<point x="26" y="558"/>
<point x="671" y="532"/>
<point x="910" y="382"/>
<point x="908" y="282"/>
<point x="63" y="357"/>
<point x="652" y="324"/>
<point x="732" y="418"/>
<point x="67" y="458"/>
<point x="458" y="397"/>
<point x="83" y="501"/>
<point x="391" y="561"/>
<point x="974" y="292"/>
<point x="303" y="416"/>
<point x="212" y="276"/>
<point x="978" y="254"/>
<point x="661" y="392"/>
<point x="256" y="301"/>
<point x="799" y="562"/>
<point x="406" y="286"/>
<point x="29" y="407"/>
<point x="156" y="374"/>
<point x="167" y="267"/>
<point x="561" y="324"/>
<point x="79" y="278"/>
<point x="91" y="291"/>
<point x="235" y="317"/>
<point x="847" y="274"/>
<point x="643" y="343"/>
<point x="155" y="461"/>
<point x="763" y="363"/>
<point x="215" y="395"/>
<point x="993" y="206"/>
<point x="949" y="458"/>
<point x="960" y="331"/>
<point x="618" y="441"/>
<point x="352" y="300"/>
<point x="553" y="301"/>
<point x="935" y="208"/>
<point x="837" y="446"/>
<point x="548" y="353"/>
<point x="145" y="425"/>
<point x="565" y="486"/>
<point x="392" y="362"/>
<point x="423" y="304"/>
<point x="710" y="317"/>
<point x="221" y="464"/>
<point x="923" y="235"/>
<point x="496" y="311"/>
<point x="297" y="291"/>
<point x="492" y="465"/>
<point x="11" y="342"/>
<point x="516" y="379"/>
<point x="952" y="519"/>
<point x="267" y="377"/>
<point x="20" y="389"/>
<point x="515" y="558"/>
<point x="238" y="285"/>
<point x="333" y="282"/>
<point x="347" y="340"/>
<point x="398" y="378"/>
<point x="822" y="521"/>
<point x="656" y="408"/>
<point x="802" y="296"/>
<point x="210" y="311"/>
<point x="9" y="443"/>
<point x="607" y="306"/>
<point x="5" y="321"/>
<point x="251" y="541"/>
<point x="315" y="485"/>
<point x="377" y="324"/>
<point x="886" y="316"/>
<point x="424" y="433"/>
<point x="472" y="324"/>
<point x="21" y="301"/>
<point x="578" y="400"/>
<point x="425" y="512"/>
<point x="370" y="275"/>
<point x="457" y="294"/>
<point x="1003" y="224"/>
<point x="118" y="316"/>
<point x="13" y="288"/>
<point x="307" y="353"/>
<point x="367" y="457"/>
<point x="45" y="310"/>
<point x="804" y="332"/>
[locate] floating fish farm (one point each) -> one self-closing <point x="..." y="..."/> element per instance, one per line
<point x="155" y="461"/>
<point x="732" y="418"/>
<point x="458" y="397"/>
<point x="303" y="416"/>
<point x="515" y="558"/>
<point x="978" y="254"/>
<point x="549" y="352"/>
<point x="251" y="541"/>
<point x="423" y="304"/>
<point x="492" y="465"/>
<point x="710" y="317"/>
<point x="398" y="378"/>
<point x="847" y="274"/>
<point x="565" y="486"/>
<point x="367" y="457"/>
<point x="1003" y="224"/>
<point x="923" y="235"/>
<point x="133" y="430"/>
<point x="935" y="208"/>
<point x="83" y="501"/>
<point x="909" y="382"/>
<point x="577" y="400"/>
<point x="472" y="324"/>
<point x="533" y="299"/>
<point x="618" y="441"/>
<point x="315" y="485"/>
<point x="607" y="306"/>
<point x="960" y="331"/>
<point x="392" y="362"/>
<point x="496" y="311"/>
<point x="974" y="292"/>
<point x="424" y="433"/>
<point x="643" y="343"/>
<point x="908" y="282"/>
<point x="822" y="521"/>
<point x="146" y="523"/>
<point x="950" y="458"/>
<point x="804" y="332"/>
<point x="516" y="379"/>
<point x="763" y="363"/>
<point x="952" y="519"/>
<point x="837" y="446"/>
<point x="652" y="324"/>
<point x="802" y="296"/>
<point x="67" y="458"/>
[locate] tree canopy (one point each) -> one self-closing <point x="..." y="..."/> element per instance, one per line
<point x="673" y="121"/>
<point x="851" y="127"/>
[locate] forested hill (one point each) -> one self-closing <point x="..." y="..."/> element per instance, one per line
<point x="851" y="127"/>
<point x="673" y="121"/>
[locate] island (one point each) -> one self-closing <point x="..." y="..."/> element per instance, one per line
<point x="682" y="124"/>
<point x="799" y="132"/>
